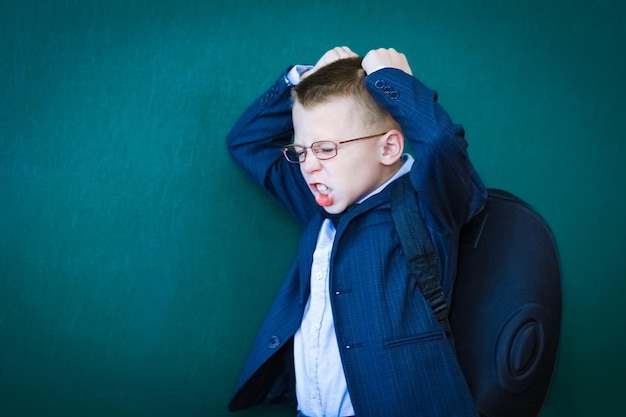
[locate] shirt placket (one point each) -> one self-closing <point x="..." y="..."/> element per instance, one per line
<point x="319" y="308"/>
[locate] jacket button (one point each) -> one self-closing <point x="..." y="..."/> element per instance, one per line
<point x="274" y="342"/>
<point x="380" y="83"/>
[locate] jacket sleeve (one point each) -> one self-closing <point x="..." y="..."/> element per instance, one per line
<point x="450" y="190"/>
<point x="255" y="143"/>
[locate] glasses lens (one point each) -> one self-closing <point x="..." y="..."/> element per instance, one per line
<point x="324" y="149"/>
<point x="294" y="153"/>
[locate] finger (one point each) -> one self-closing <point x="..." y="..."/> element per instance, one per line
<point x="380" y="58"/>
<point x="345" y="52"/>
<point x="332" y="55"/>
<point x="338" y="52"/>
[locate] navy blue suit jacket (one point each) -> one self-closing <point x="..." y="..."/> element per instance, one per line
<point x="396" y="358"/>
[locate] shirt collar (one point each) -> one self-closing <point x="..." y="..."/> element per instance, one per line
<point x="407" y="163"/>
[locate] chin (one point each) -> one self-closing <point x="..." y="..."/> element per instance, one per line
<point x="334" y="210"/>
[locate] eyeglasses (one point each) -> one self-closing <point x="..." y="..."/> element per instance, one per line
<point x="323" y="149"/>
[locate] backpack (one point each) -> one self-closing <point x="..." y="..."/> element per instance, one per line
<point x="505" y="315"/>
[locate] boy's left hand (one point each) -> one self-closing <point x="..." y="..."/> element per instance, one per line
<point x="385" y="58"/>
<point x="331" y="55"/>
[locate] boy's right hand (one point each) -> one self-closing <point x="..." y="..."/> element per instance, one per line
<point x="332" y="55"/>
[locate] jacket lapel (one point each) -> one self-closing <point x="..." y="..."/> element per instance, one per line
<point x="310" y="234"/>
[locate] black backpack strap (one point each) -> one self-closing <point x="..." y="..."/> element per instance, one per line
<point x="419" y="248"/>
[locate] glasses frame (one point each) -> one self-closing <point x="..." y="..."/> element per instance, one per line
<point x="302" y="155"/>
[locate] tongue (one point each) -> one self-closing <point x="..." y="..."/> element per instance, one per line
<point x="324" y="200"/>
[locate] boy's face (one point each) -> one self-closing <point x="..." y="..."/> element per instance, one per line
<point x="358" y="168"/>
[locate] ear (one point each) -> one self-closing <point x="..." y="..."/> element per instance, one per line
<point x="392" y="147"/>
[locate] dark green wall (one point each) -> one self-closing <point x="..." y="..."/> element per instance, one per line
<point x="136" y="261"/>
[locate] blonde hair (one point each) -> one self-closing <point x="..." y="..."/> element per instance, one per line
<point x="344" y="78"/>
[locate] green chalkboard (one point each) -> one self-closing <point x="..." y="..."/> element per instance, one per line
<point x="137" y="261"/>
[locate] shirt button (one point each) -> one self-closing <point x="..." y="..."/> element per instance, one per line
<point x="274" y="342"/>
<point x="319" y="275"/>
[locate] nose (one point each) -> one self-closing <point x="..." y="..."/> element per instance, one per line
<point x="311" y="163"/>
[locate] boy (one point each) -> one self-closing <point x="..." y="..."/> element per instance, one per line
<point x="349" y="332"/>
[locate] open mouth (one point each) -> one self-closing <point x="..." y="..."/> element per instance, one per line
<point x="322" y="194"/>
<point x="322" y="189"/>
